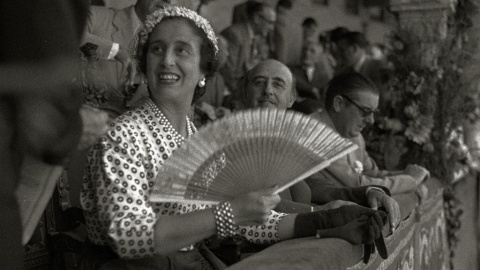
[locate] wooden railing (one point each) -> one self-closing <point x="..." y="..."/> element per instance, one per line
<point x="420" y="242"/>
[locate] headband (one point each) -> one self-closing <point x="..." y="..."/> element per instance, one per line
<point x="176" y="11"/>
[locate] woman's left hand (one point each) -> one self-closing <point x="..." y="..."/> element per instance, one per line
<point x="254" y="208"/>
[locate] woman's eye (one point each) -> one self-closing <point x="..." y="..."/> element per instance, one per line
<point x="183" y="51"/>
<point x="156" y="49"/>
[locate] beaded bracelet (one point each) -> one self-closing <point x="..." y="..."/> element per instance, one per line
<point x="224" y="219"/>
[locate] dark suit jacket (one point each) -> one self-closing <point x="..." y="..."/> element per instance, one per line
<point x="308" y="103"/>
<point x="240" y="12"/>
<point x="374" y="69"/>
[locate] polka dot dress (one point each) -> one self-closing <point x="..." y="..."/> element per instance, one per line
<point x="120" y="171"/>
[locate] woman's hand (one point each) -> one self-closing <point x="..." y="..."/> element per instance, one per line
<point x="358" y="231"/>
<point x="95" y="124"/>
<point x="254" y="208"/>
<point x="332" y="205"/>
<point x="306" y="224"/>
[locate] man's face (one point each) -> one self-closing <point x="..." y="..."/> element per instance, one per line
<point x="348" y="55"/>
<point x="270" y="85"/>
<point x="349" y="119"/>
<point x="264" y="21"/>
<point x="309" y="32"/>
<point x="310" y="54"/>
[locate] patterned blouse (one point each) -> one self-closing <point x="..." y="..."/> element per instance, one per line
<point x="120" y="171"/>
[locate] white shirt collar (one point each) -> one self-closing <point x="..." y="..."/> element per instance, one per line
<point x="359" y="65"/>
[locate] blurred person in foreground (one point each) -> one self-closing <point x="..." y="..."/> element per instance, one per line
<point x="39" y="101"/>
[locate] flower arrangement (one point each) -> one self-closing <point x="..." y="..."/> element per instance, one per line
<point x="427" y="98"/>
<point x="433" y="91"/>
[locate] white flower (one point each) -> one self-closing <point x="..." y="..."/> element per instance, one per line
<point x="358" y="166"/>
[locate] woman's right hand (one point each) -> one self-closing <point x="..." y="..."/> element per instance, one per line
<point x="254" y="208"/>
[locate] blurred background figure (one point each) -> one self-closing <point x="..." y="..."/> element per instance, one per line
<point x="312" y="76"/>
<point x="110" y="36"/>
<point x="240" y="11"/>
<point x="249" y="43"/>
<point x="330" y="39"/>
<point x="283" y="9"/>
<point x="353" y="57"/>
<point x="309" y="30"/>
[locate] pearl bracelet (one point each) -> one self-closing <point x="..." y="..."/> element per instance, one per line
<point x="224" y="219"/>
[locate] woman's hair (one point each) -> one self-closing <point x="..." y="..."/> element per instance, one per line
<point x="208" y="48"/>
<point x="348" y="84"/>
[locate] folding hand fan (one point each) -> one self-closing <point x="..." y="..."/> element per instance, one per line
<point x="248" y="151"/>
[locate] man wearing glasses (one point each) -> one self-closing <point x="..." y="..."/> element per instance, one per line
<point x="350" y="105"/>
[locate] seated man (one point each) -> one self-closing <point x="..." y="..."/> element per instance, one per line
<point x="351" y="101"/>
<point x="271" y="84"/>
<point x="312" y="76"/>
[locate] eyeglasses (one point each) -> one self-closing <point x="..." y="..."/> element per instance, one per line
<point x="365" y="112"/>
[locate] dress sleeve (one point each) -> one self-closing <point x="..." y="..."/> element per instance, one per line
<point x="119" y="187"/>
<point x="265" y="234"/>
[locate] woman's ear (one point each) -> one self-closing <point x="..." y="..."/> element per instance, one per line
<point x="338" y="104"/>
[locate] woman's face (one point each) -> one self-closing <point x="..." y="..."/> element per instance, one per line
<point x="173" y="61"/>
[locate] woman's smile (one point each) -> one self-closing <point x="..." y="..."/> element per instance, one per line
<point x="168" y="78"/>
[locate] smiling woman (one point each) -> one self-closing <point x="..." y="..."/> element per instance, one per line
<point x="177" y="51"/>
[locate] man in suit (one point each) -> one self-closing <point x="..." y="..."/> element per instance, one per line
<point x="280" y="34"/>
<point x="240" y="13"/>
<point x="249" y="43"/>
<point x="352" y="56"/>
<point x="271" y="84"/>
<point x="113" y="34"/>
<point x="350" y="104"/>
<point x="312" y="77"/>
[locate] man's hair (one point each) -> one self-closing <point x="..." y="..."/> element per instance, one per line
<point x="337" y="33"/>
<point x="309" y="22"/>
<point x="348" y="84"/>
<point x="354" y="38"/>
<point x="254" y="8"/>
<point x="287" y="4"/>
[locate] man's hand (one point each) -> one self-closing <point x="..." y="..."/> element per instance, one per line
<point x="378" y="199"/>
<point x="418" y="173"/>
<point x="422" y="191"/>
